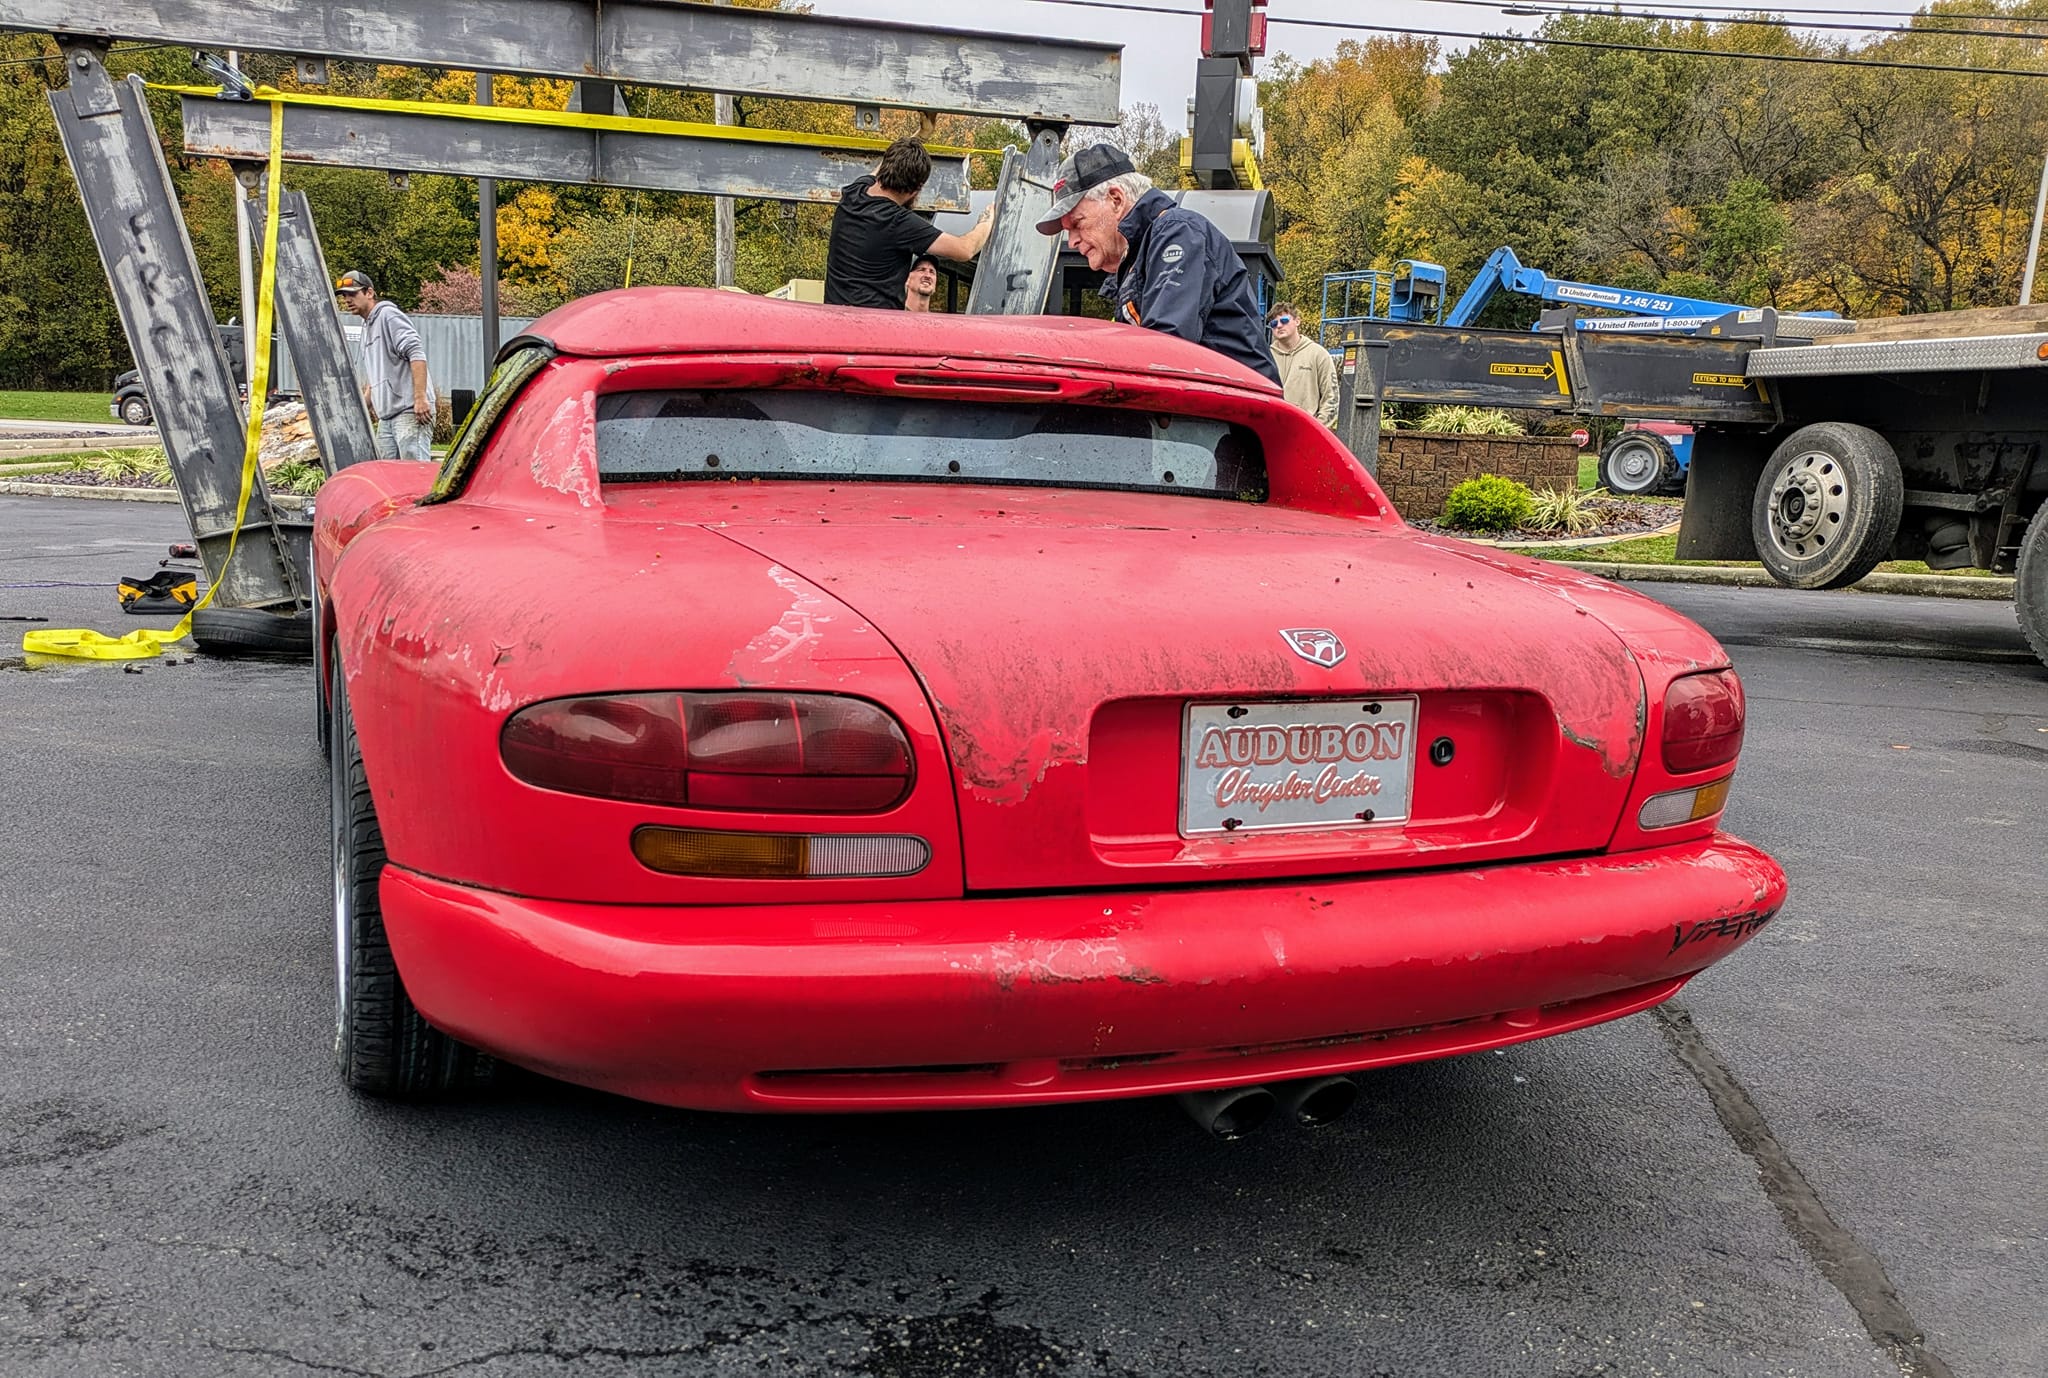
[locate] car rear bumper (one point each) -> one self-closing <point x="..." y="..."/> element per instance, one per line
<point x="1032" y="999"/>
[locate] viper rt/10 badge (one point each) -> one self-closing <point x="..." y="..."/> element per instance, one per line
<point x="1316" y="645"/>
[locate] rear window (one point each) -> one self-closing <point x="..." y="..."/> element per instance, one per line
<point x="768" y="434"/>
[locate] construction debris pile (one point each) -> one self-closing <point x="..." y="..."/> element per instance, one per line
<point x="287" y="437"/>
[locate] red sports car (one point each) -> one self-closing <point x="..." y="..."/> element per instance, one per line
<point x="787" y="708"/>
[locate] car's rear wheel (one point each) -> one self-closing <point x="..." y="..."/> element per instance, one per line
<point x="382" y="1045"/>
<point x="135" y="412"/>
<point x="1827" y="508"/>
<point x="1637" y="463"/>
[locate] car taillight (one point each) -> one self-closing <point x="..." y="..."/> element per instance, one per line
<point x="764" y="753"/>
<point x="1702" y="722"/>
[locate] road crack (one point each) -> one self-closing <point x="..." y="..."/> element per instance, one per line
<point x="1843" y="1259"/>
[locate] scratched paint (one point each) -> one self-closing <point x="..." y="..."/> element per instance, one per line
<point x="793" y="637"/>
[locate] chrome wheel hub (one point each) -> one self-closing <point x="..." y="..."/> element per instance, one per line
<point x="1809" y="505"/>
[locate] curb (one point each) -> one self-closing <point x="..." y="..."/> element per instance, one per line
<point x="282" y="502"/>
<point x="1923" y="585"/>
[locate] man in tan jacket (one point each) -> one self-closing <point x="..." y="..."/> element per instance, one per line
<point x="1307" y="372"/>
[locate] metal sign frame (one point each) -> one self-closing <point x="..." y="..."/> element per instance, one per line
<point x="133" y="211"/>
<point x="641" y="43"/>
<point x="401" y="141"/>
<point x="313" y="334"/>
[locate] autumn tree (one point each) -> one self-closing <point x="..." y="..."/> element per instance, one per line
<point x="1338" y="133"/>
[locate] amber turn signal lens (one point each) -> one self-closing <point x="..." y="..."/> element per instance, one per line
<point x="778" y="856"/>
<point x="1685" y="805"/>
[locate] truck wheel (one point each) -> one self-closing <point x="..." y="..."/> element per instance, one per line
<point x="1637" y="463"/>
<point x="135" y="412"/>
<point x="381" y="1043"/>
<point x="1827" y="507"/>
<point x="2031" y="585"/>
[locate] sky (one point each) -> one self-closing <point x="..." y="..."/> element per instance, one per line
<point x="1160" y="50"/>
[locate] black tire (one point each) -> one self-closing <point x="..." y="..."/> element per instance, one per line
<point x="135" y="412"/>
<point x="1637" y="463"/>
<point x="253" y="632"/>
<point x="1827" y="508"/>
<point x="382" y="1045"/>
<point x="2030" y="589"/>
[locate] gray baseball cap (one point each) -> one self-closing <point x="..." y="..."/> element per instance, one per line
<point x="1084" y="170"/>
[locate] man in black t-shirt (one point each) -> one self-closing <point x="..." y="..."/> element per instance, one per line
<point x="875" y="234"/>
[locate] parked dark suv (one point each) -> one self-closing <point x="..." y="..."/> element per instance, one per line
<point x="131" y="403"/>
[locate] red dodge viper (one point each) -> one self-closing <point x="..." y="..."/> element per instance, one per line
<point x="785" y="708"/>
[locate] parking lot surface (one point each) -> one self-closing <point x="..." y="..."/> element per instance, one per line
<point x="1827" y="1158"/>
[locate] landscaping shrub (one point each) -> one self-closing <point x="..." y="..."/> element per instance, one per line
<point x="1488" y="503"/>
<point x="1569" y="513"/>
<point x="147" y="467"/>
<point x="296" y="476"/>
<point x="1468" y="421"/>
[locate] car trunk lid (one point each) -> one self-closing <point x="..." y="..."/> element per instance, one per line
<point x="1078" y="649"/>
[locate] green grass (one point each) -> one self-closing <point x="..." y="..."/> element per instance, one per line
<point x="1589" y="471"/>
<point x="56" y="406"/>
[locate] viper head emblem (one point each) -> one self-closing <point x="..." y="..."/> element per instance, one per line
<point x="1316" y="645"/>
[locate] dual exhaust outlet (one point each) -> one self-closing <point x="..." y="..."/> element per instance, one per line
<point x="1235" y="1111"/>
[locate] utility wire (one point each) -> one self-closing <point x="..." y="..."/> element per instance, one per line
<point x="1689" y="5"/>
<point x="1537" y="40"/>
<point x="1752" y="18"/>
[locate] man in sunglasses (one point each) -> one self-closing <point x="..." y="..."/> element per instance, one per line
<point x="1308" y="375"/>
<point x="399" y="394"/>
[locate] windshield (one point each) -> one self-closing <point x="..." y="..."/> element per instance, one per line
<point x="764" y="433"/>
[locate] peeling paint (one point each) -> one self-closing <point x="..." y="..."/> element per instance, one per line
<point x="1061" y="961"/>
<point x="993" y="780"/>
<point x="565" y="453"/>
<point x="800" y="629"/>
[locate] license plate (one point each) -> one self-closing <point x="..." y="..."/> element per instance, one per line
<point x="1251" y="767"/>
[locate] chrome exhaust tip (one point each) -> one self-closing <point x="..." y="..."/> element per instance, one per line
<point x="1229" y="1113"/>
<point x="1323" y="1100"/>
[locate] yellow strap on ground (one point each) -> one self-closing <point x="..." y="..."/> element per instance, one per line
<point x="576" y="119"/>
<point x="85" y="644"/>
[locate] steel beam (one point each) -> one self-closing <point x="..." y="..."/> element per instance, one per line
<point x="458" y="147"/>
<point x="640" y="42"/>
<point x="1017" y="265"/>
<point x="321" y="357"/>
<point x="133" y="211"/>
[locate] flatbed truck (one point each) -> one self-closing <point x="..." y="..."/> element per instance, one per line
<point x="1821" y="448"/>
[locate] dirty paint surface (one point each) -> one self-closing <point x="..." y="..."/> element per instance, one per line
<point x="1038" y="646"/>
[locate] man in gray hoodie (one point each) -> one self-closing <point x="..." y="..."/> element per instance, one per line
<point x="399" y="393"/>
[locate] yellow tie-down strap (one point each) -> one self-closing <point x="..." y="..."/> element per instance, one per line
<point x="84" y="644"/>
<point x="574" y="119"/>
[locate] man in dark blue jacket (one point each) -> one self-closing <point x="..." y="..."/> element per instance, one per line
<point x="1173" y="270"/>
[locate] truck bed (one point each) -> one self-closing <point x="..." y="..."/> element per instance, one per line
<point x="1948" y="325"/>
<point x="1994" y="337"/>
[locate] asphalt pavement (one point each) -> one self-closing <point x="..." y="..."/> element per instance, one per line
<point x="1828" y="1159"/>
